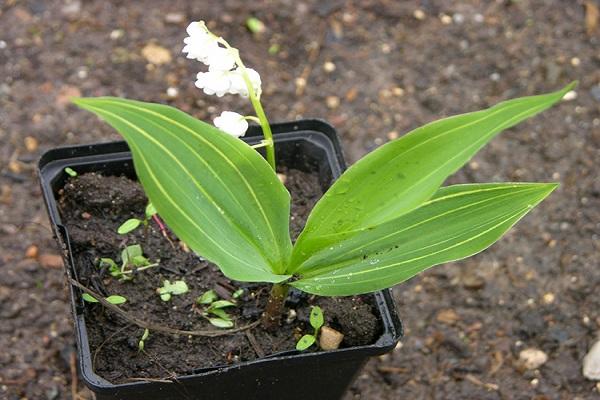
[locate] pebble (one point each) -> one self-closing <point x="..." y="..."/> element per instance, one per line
<point x="332" y="101"/>
<point x="174" y="18"/>
<point x="31" y="143"/>
<point x="591" y="363"/>
<point x="329" y="66"/>
<point x="32" y="251"/>
<point x="419" y="14"/>
<point x="532" y="358"/>
<point x="172" y="92"/>
<point x="156" y="54"/>
<point x="447" y="316"/>
<point x="446" y="19"/>
<point x="595" y="91"/>
<point x="330" y="339"/>
<point x="458" y="18"/>
<point x="50" y="261"/>
<point x="570" y="95"/>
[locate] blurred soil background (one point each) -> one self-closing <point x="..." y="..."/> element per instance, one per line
<point x="375" y="70"/>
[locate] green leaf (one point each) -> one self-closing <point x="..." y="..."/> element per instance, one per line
<point x="89" y="298"/>
<point x="305" y="342"/>
<point x="150" y="210"/>
<point x="457" y="222"/>
<point x="114" y="299"/>
<point x="109" y="262"/>
<point x="207" y="297"/>
<point x="219" y="312"/>
<point x="128" y="226"/>
<point x="316" y="317"/>
<point x="238" y="293"/>
<point x="70" y="172"/>
<point x="255" y="25"/>
<point x="129" y="253"/>
<point x="221" y="304"/>
<point x="214" y="191"/>
<point x="175" y="288"/>
<point x="221" y="323"/>
<point x="140" y="261"/>
<point x="402" y="174"/>
<point x="146" y="334"/>
<point x="165" y="296"/>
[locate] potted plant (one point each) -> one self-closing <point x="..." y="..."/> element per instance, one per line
<point x="379" y="223"/>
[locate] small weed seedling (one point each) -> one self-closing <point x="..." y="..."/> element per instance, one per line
<point x="142" y="341"/>
<point x="114" y="299"/>
<point x="132" y="260"/>
<point x="214" y="308"/>
<point x="316" y="321"/>
<point x="169" y="289"/>
<point x="131" y="224"/>
<point x="71" y="172"/>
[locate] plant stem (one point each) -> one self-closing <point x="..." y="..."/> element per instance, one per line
<point x="271" y="318"/>
<point x="255" y="100"/>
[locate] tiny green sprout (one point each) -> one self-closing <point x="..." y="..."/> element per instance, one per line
<point x="221" y="323"/>
<point x="128" y="226"/>
<point x="238" y="293"/>
<point x="274" y="49"/>
<point x="142" y="341"/>
<point x="71" y="172"/>
<point x="114" y="299"/>
<point x="207" y="297"/>
<point x="168" y="289"/>
<point x="316" y="321"/>
<point x="150" y="211"/>
<point x="255" y="25"/>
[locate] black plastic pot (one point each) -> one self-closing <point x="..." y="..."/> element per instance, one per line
<point x="308" y="145"/>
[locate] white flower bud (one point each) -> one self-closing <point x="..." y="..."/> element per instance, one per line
<point x="232" y="123"/>
<point x="238" y="84"/>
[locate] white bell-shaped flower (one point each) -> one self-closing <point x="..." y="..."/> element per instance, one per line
<point x="220" y="59"/>
<point x="214" y="82"/>
<point x="200" y="44"/>
<point x="232" y="123"/>
<point x="238" y="84"/>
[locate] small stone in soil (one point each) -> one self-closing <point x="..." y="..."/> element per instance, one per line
<point x="591" y="363"/>
<point x="532" y="358"/>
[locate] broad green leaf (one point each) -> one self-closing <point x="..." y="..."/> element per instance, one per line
<point x="128" y="226"/>
<point x="305" y="342"/>
<point x="316" y="317"/>
<point x="214" y="191"/>
<point x="114" y="299"/>
<point x="457" y="222"/>
<point x="400" y="175"/>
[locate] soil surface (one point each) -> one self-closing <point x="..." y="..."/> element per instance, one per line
<point x="93" y="207"/>
<point x="375" y="69"/>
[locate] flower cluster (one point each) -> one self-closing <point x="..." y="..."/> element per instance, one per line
<point x="226" y="74"/>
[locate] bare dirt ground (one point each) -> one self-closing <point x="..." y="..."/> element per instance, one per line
<point x="375" y="69"/>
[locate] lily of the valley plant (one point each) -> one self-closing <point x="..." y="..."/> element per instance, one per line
<point x="386" y="219"/>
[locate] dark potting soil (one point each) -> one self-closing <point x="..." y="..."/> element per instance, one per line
<point x="93" y="206"/>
